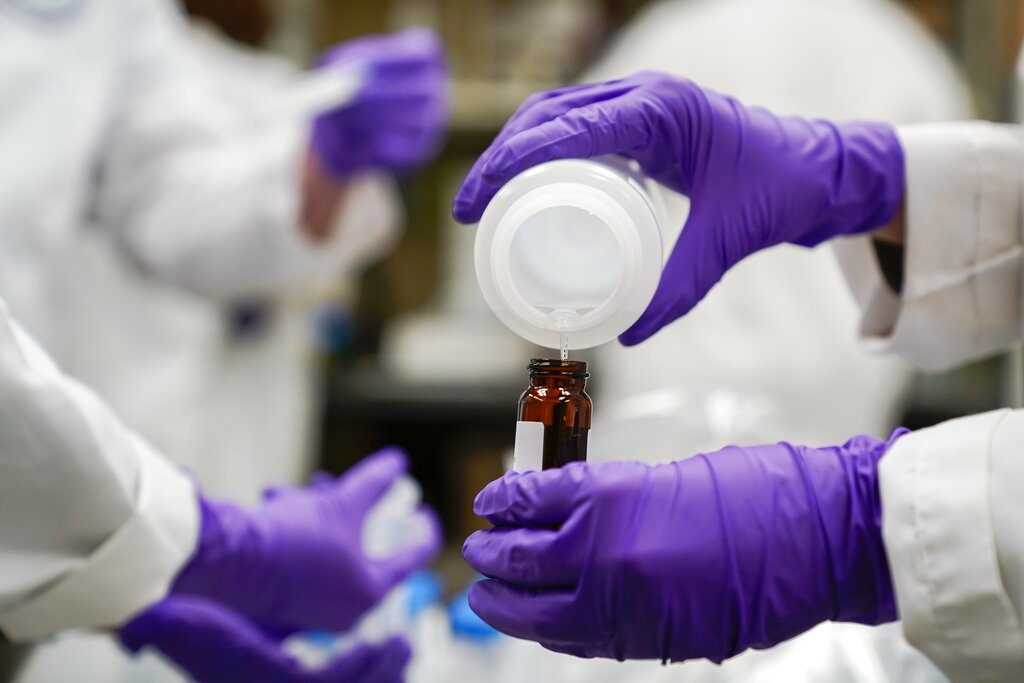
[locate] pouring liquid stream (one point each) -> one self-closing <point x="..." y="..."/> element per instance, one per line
<point x="564" y="318"/>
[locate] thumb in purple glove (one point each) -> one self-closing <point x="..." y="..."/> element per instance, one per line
<point x="298" y="559"/>
<point x="397" y="119"/>
<point x="702" y="558"/>
<point x="212" y="644"/>
<point x="754" y="179"/>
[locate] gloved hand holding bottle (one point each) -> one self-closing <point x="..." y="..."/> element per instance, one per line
<point x="213" y="644"/>
<point x="701" y="558"/>
<point x="297" y="560"/>
<point x="754" y="179"/>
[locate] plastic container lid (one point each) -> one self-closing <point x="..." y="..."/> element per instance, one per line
<point x="573" y="245"/>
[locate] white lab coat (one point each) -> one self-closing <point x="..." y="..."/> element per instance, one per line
<point x="234" y="410"/>
<point x="97" y="119"/>
<point x="93" y="522"/>
<point x="772" y="353"/>
<point x="952" y="494"/>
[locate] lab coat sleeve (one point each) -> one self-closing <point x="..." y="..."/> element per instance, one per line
<point x="198" y="193"/>
<point x="94" y="525"/>
<point x="961" y="297"/>
<point x="953" y="507"/>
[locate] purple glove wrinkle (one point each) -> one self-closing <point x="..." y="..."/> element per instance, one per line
<point x="754" y="179"/>
<point x="701" y="558"/>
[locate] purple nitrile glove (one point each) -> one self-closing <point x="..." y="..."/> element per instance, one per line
<point x="397" y="119"/>
<point x="754" y="179"/>
<point x="702" y="558"/>
<point x="297" y="560"/>
<point x="213" y="644"/>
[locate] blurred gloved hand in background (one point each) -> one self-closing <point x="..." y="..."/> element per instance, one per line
<point x="701" y="558"/>
<point x="754" y="179"/>
<point x="213" y="644"/>
<point x="397" y="119"/>
<point x="297" y="560"/>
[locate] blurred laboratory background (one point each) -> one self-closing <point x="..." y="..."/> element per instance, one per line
<point x="412" y="355"/>
<point x="400" y="348"/>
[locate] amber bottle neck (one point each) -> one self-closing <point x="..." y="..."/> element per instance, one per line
<point x="571" y="374"/>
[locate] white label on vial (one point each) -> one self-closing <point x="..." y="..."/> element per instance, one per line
<point x="529" y="450"/>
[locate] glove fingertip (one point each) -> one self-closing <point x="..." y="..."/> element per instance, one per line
<point x="641" y="331"/>
<point x="468" y="206"/>
<point x="398" y="649"/>
<point x="664" y="308"/>
<point x="481" y="598"/>
<point x="433" y="530"/>
<point x="472" y="549"/>
<point x="388" y="463"/>
<point x="492" y="497"/>
<point x="634" y="336"/>
<point x="393" y="451"/>
<point x="149" y="626"/>
<point x="427" y="38"/>
<point x="465" y="212"/>
<point x="133" y="635"/>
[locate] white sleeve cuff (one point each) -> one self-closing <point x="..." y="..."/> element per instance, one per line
<point x="943" y="551"/>
<point x="961" y="296"/>
<point x="131" y="570"/>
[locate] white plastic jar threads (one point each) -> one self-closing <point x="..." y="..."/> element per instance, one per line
<point x="573" y="246"/>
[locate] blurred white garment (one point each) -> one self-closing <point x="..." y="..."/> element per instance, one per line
<point x="234" y="407"/>
<point x="754" y="362"/>
<point x="94" y="524"/>
<point x="86" y="86"/>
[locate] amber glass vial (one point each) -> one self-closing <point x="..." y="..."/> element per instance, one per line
<point x="557" y="398"/>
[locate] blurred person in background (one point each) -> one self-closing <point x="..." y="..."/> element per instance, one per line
<point x="112" y="120"/>
<point x="230" y="379"/>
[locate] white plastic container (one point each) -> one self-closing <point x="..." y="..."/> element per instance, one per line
<point x="573" y="246"/>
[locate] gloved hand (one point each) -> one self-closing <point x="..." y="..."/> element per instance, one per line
<point x="397" y="119"/>
<point x="297" y="560"/>
<point x="702" y="558"/>
<point x="754" y="179"/>
<point x="212" y="644"/>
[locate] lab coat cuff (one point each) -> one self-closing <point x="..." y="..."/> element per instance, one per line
<point x="961" y="296"/>
<point x="879" y="305"/>
<point x="131" y="570"/>
<point x="942" y="548"/>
